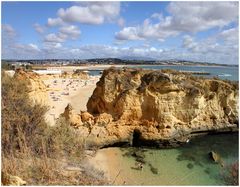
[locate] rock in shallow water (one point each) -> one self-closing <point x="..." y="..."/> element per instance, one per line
<point x="153" y="169"/>
<point x="190" y="166"/>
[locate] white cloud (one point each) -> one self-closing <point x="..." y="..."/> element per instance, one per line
<point x="188" y="43"/>
<point x="121" y="22"/>
<point x="40" y="29"/>
<point x="184" y="17"/>
<point x="9" y="37"/>
<point x="51" y="45"/>
<point x="65" y="33"/>
<point x="199" y="16"/>
<point x="72" y="31"/>
<point x="55" y="38"/>
<point x="53" y="22"/>
<point x="23" y="51"/>
<point x="147" y="30"/>
<point x="105" y="51"/>
<point x="157" y="16"/>
<point x="57" y="45"/>
<point x="229" y="35"/>
<point x="90" y="12"/>
<point x="8" y="30"/>
<point x="128" y="33"/>
<point x="211" y="49"/>
<point x="34" y="47"/>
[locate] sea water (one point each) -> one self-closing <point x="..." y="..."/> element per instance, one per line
<point x="186" y="165"/>
<point x="222" y="72"/>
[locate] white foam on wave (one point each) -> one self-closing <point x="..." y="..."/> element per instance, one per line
<point x="225" y="75"/>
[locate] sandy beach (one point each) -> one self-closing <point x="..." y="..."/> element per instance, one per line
<point x="62" y="91"/>
<point x="85" y="67"/>
<point x="109" y="161"/>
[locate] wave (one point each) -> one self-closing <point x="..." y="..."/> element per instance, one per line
<point x="225" y="75"/>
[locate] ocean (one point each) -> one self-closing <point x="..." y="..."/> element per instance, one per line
<point x="223" y="72"/>
<point x="186" y="165"/>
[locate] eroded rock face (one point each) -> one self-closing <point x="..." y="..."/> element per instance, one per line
<point x="78" y="74"/>
<point x="159" y="106"/>
<point x="81" y="75"/>
<point x="38" y="90"/>
<point x="70" y="115"/>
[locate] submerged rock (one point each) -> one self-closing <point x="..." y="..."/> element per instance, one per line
<point x="216" y="158"/>
<point x="190" y="166"/>
<point x="153" y="169"/>
<point x="207" y="170"/>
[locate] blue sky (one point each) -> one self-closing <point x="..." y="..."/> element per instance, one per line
<point x="200" y="31"/>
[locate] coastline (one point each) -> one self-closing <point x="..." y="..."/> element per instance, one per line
<point x="105" y="66"/>
<point x="108" y="160"/>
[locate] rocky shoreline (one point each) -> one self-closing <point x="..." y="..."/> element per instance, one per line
<point x="162" y="108"/>
<point x="135" y="107"/>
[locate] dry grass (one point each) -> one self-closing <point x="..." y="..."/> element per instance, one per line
<point x="32" y="150"/>
<point x="47" y="171"/>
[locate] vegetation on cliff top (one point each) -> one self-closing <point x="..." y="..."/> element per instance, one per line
<point x="34" y="151"/>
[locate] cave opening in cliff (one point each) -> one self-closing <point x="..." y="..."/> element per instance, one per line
<point x="136" y="142"/>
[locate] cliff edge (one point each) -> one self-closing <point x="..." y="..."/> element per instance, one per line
<point x="37" y="89"/>
<point x="157" y="107"/>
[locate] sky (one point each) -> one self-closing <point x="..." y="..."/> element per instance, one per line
<point x="197" y="31"/>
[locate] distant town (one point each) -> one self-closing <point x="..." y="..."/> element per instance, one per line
<point x="109" y="61"/>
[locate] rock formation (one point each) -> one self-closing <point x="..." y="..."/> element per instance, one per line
<point x="10" y="180"/>
<point x="77" y="75"/>
<point x="216" y="158"/>
<point x="158" y="107"/>
<point x="37" y="89"/>
<point x="71" y="116"/>
<point x="81" y="75"/>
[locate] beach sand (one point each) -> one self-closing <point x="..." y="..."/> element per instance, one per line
<point x="80" y="99"/>
<point x="64" y="91"/>
<point x="85" y="67"/>
<point x="109" y="160"/>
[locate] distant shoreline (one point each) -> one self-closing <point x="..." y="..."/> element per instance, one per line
<point x="105" y="66"/>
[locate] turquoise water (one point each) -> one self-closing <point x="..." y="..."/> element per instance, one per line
<point x="229" y="73"/>
<point x="186" y="165"/>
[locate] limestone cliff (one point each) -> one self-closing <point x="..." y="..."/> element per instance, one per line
<point x="37" y="89"/>
<point x="76" y="75"/>
<point x="158" y="106"/>
<point x="81" y="75"/>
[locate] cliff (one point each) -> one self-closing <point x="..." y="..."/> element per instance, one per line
<point x="37" y="89"/>
<point x="77" y="75"/>
<point x="158" y="107"/>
